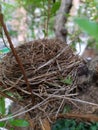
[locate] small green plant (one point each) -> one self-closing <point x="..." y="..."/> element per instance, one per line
<point x="67" y="80"/>
<point x="11" y="123"/>
<point x="69" y="124"/>
<point x="66" y="109"/>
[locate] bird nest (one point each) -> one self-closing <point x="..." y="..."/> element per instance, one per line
<point x="50" y="66"/>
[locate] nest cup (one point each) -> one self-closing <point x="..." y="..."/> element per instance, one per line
<point x="47" y="63"/>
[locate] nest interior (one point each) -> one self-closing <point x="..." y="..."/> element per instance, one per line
<point x="50" y="66"/>
<point x="45" y="62"/>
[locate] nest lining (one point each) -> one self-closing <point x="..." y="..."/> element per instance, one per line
<point x="47" y="63"/>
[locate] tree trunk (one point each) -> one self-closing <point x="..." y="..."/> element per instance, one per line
<point x="61" y="19"/>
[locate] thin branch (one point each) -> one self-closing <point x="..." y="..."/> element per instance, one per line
<point x="16" y="56"/>
<point x="54" y="58"/>
<point x="87" y="117"/>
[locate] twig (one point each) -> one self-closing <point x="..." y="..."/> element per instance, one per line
<point x="25" y="111"/>
<point x="77" y="100"/>
<point x="54" y="58"/>
<point x="86" y="117"/>
<point x="62" y="102"/>
<point x="9" y="97"/>
<point x="16" y="56"/>
<point x="13" y="85"/>
<point x="22" y="109"/>
<point x="42" y="76"/>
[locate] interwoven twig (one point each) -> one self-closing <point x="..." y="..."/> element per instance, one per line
<point x="47" y="63"/>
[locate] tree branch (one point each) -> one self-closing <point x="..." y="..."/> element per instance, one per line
<point x="16" y="55"/>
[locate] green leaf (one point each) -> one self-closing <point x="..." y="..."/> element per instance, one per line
<point x="2" y="124"/>
<point x="11" y="128"/>
<point x="89" y="26"/>
<point x="67" y="81"/>
<point x="4" y="50"/>
<point x="9" y="94"/>
<point x="54" y="8"/>
<point x="93" y="128"/>
<point x="2" y="105"/>
<point x="19" y="122"/>
<point x="66" y="109"/>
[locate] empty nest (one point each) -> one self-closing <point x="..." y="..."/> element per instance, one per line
<point x="50" y="66"/>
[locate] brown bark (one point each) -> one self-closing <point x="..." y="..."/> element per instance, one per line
<point x="61" y="19"/>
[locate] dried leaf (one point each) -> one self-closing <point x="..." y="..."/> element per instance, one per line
<point x="45" y="125"/>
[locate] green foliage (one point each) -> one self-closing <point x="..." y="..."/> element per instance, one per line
<point x="14" y="123"/>
<point x="87" y="19"/>
<point x="4" y="50"/>
<point x="31" y="3"/>
<point x="91" y="9"/>
<point x="67" y="81"/>
<point x="2" y="106"/>
<point x="66" y="109"/>
<point x="11" y="122"/>
<point x="89" y="26"/>
<point x="54" y="8"/>
<point x="13" y="33"/>
<point x="47" y="11"/>
<point x="8" y="9"/>
<point x="69" y="124"/>
<point x="11" y="128"/>
<point x="19" y="122"/>
<point x="2" y="124"/>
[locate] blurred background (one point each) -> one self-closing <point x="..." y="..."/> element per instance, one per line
<point x="27" y="20"/>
